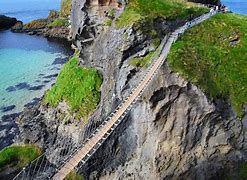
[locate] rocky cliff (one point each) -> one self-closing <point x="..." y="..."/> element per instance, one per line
<point x="173" y="132"/>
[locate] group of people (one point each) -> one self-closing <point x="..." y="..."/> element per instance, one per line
<point x="221" y="8"/>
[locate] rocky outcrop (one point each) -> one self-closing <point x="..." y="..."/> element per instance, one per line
<point x="7" y="22"/>
<point x="54" y="32"/>
<point x="41" y="27"/>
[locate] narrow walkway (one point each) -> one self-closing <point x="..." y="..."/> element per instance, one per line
<point x="93" y="143"/>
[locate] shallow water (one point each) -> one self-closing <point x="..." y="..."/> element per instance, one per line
<point x="28" y="64"/>
<point x="24" y="62"/>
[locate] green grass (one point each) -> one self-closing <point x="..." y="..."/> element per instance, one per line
<point x="18" y="156"/>
<point x="112" y="12"/>
<point x="205" y="56"/>
<point x="59" y="22"/>
<point x="65" y="8"/>
<point x="74" y="176"/>
<point x="142" y="61"/>
<point x="79" y="87"/>
<point x="243" y="171"/>
<point x="146" y="60"/>
<point x="139" y="10"/>
<point x="108" y="22"/>
<point x="39" y="23"/>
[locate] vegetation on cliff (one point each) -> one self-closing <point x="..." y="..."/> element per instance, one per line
<point x="74" y="176"/>
<point x="65" y="8"/>
<point x="36" y="24"/>
<point x="138" y="10"/>
<point x="213" y="56"/>
<point x="18" y="156"/>
<point x="59" y="22"/>
<point x="78" y="86"/>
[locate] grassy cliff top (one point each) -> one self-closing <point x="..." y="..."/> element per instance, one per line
<point x="18" y="156"/>
<point x="213" y="56"/>
<point x="138" y="10"/>
<point x="79" y="87"/>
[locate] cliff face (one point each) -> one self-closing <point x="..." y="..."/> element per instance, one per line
<point x="173" y="132"/>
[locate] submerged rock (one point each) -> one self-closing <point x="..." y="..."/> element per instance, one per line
<point x="34" y="102"/>
<point x="7" y="108"/>
<point x="35" y="88"/>
<point x="60" y="61"/>
<point x="8" y="129"/>
<point x="51" y="76"/>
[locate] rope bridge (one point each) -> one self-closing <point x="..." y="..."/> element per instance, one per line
<point x="73" y="155"/>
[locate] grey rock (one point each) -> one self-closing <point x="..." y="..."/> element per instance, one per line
<point x="7" y="22"/>
<point x="7" y="108"/>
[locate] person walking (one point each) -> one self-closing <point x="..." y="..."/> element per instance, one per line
<point x="211" y="11"/>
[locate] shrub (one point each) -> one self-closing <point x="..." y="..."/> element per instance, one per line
<point x="65" y="8"/>
<point x="143" y="61"/>
<point x="108" y="22"/>
<point x="35" y="24"/>
<point x="18" y="156"/>
<point x="60" y="22"/>
<point x="74" y="176"/>
<point x="53" y="15"/>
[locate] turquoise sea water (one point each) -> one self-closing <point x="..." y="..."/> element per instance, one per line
<point x="26" y="60"/>
<point x="27" y="67"/>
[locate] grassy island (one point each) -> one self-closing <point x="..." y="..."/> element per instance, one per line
<point x="78" y="86"/>
<point x="213" y="56"/>
<point x="18" y="157"/>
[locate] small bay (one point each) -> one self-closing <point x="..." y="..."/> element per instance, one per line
<point x="28" y="64"/>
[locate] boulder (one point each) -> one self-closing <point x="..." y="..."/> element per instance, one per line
<point x="17" y="27"/>
<point x="7" y="22"/>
